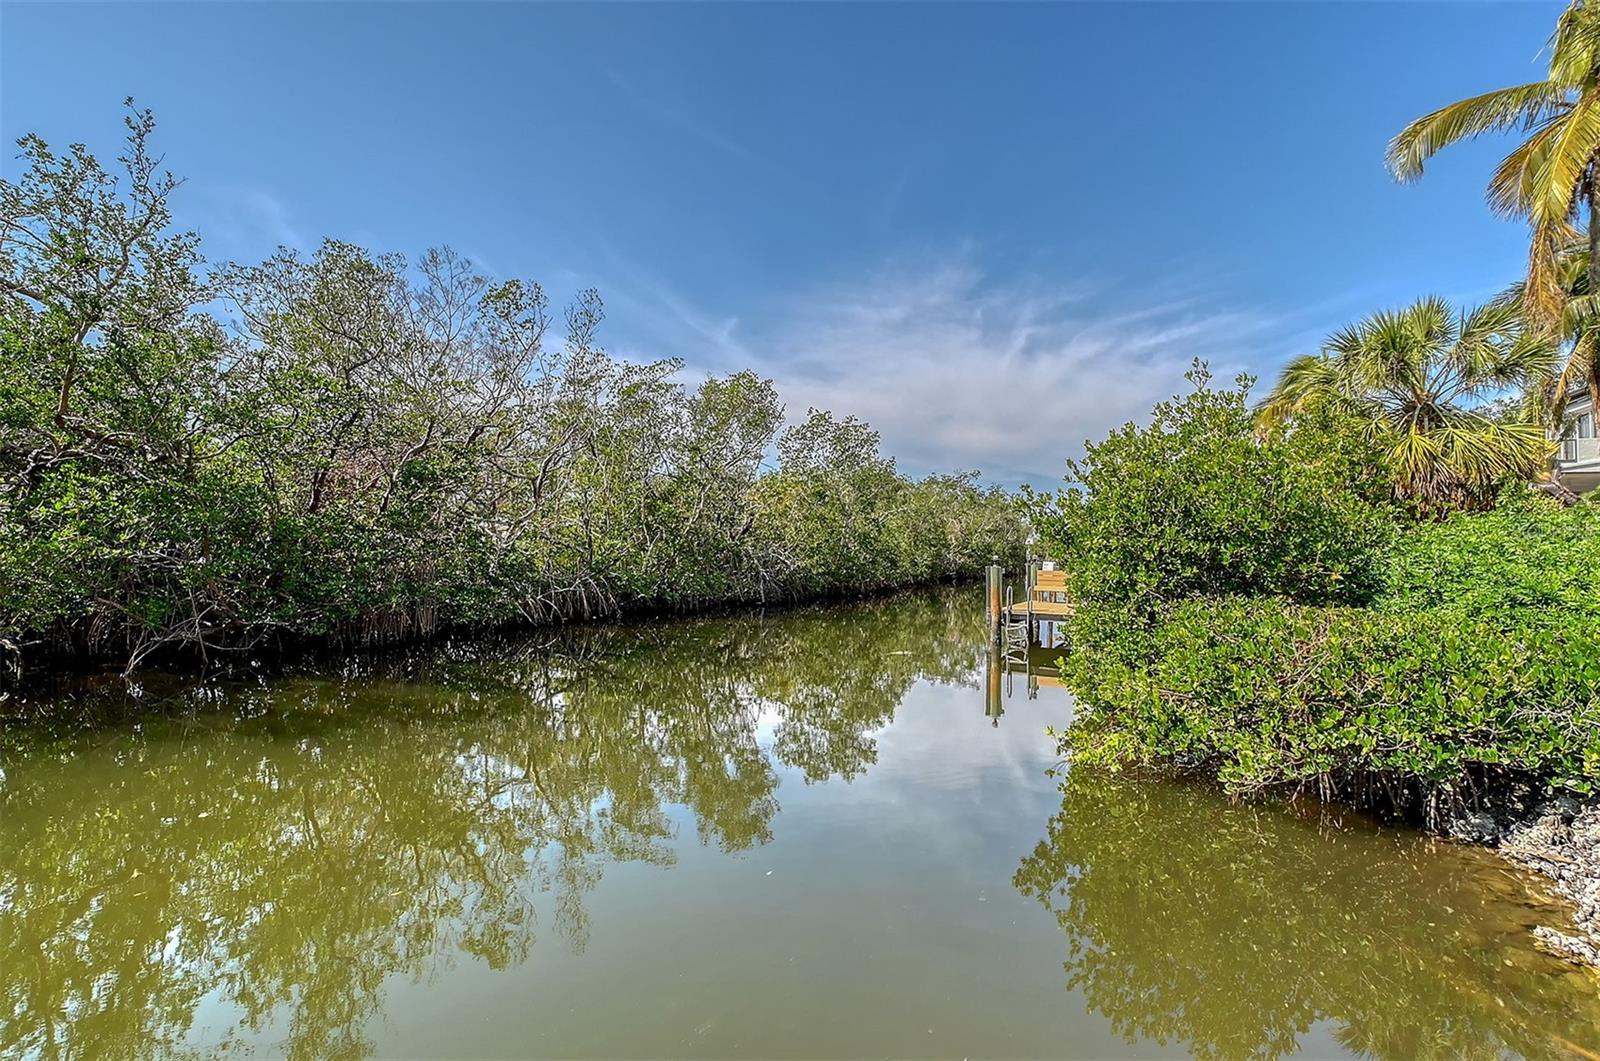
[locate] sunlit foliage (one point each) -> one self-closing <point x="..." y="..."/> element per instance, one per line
<point x="1258" y="610"/>
<point x="1416" y="380"/>
<point x="369" y="449"/>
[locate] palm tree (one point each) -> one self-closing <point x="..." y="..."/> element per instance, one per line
<point x="1553" y="176"/>
<point x="1578" y="326"/>
<point x="1416" y="378"/>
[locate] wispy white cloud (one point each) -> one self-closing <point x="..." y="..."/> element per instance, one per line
<point x="959" y="369"/>
<point x="680" y="327"/>
<point x="243" y="222"/>
<point x="681" y="118"/>
<point x="959" y="372"/>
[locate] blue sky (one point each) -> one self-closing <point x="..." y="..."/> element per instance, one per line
<point x="923" y="215"/>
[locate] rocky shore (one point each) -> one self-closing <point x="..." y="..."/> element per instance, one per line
<point x="1558" y="837"/>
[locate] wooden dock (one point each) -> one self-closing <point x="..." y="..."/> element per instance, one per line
<point x="1043" y="609"/>
<point x="1047" y="599"/>
<point x="1018" y="628"/>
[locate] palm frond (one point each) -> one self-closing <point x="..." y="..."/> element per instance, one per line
<point x="1539" y="403"/>
<point x="1575" y="45"/>
<point x="1582" y="362"/>
<point x="1496" y="353"/>
<point x="1415" y="456"/>
<point x="1531" y="356"/>
<point x="1513" y="187"/>
<point x="1488" y="322"/>
<point x="1565" y="164"/>
<point x="1305" y="379"/>
<point x="1545" y="289"/>
<point x="1580" y="312"/>
<point x="1431" y="320"/>
<point x="1506" y="108"/>
<point x="1413" y="376"/>
<point x="1480" y="452"/>
<point x="1346" y="342"/>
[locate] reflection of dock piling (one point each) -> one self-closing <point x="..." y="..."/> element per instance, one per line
<point x="1037" y="666"/>
<point x="997" y="669"/>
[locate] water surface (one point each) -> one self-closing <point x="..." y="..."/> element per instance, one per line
<point x="815" y="833"/>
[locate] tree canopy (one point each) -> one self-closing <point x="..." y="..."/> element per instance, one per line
<point x="350" y="445"/>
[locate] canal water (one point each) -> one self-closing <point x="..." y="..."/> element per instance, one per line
<point x="819" y="833"/>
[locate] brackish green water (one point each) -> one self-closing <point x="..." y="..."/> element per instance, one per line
<point x="794" y="836"/>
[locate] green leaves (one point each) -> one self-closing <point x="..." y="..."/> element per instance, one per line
<point x="1267" y="693"/>
<point x="1416" y="377"/>
<point x="1252" y="609"/>
<point x="1529" y="558"/>
<point x="377" y="449"/>
<point x="1197" y="505"/>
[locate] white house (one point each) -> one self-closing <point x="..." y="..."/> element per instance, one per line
<point x="1579" y="456"/>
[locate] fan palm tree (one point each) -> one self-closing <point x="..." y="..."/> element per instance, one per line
<point x="1553" y="176"/>
<point x="1415" y="378"/>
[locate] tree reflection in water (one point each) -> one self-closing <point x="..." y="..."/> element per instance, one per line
<point x="285" y="847"/>
<point x="1232" y="930"/>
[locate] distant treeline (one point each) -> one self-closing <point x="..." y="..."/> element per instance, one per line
<point x="342" y="446"/>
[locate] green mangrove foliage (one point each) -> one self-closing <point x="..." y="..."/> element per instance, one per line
<point x="1410" y="704"/>
<point x="345" y="445"/>
<point x="1526" y="560"/>
<point x="1258" y="611"/>
<point x="1196" y="505"/>
<point x="466" y="798"/>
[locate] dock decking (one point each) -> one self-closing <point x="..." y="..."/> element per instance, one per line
<point x="1047" y="598"/>
<point x="1045" y="609"/>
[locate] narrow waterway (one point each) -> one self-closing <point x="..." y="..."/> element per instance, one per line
<point x="809" y="834"/>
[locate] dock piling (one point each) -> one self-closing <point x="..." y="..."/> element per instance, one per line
<point x="995" y="580"/>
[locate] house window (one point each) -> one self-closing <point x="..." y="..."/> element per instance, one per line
<point x="1581" y="426"/>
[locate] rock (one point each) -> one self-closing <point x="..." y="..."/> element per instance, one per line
<point x="1559" y="838"/>
<point x="1474" y="827"/>
<point x="1582" y="950"/>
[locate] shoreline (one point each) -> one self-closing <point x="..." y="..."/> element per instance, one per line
<point x="1557" y="837"/>
<point x="57" y="674"/>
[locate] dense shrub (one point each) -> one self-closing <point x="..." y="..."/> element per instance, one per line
<point x="1530" y="553"/>
<point x="1264" y="692"/>
<point x="375" y="449"/>
<point x="1252" y="608"/>
<point x="1196" y="504"/>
